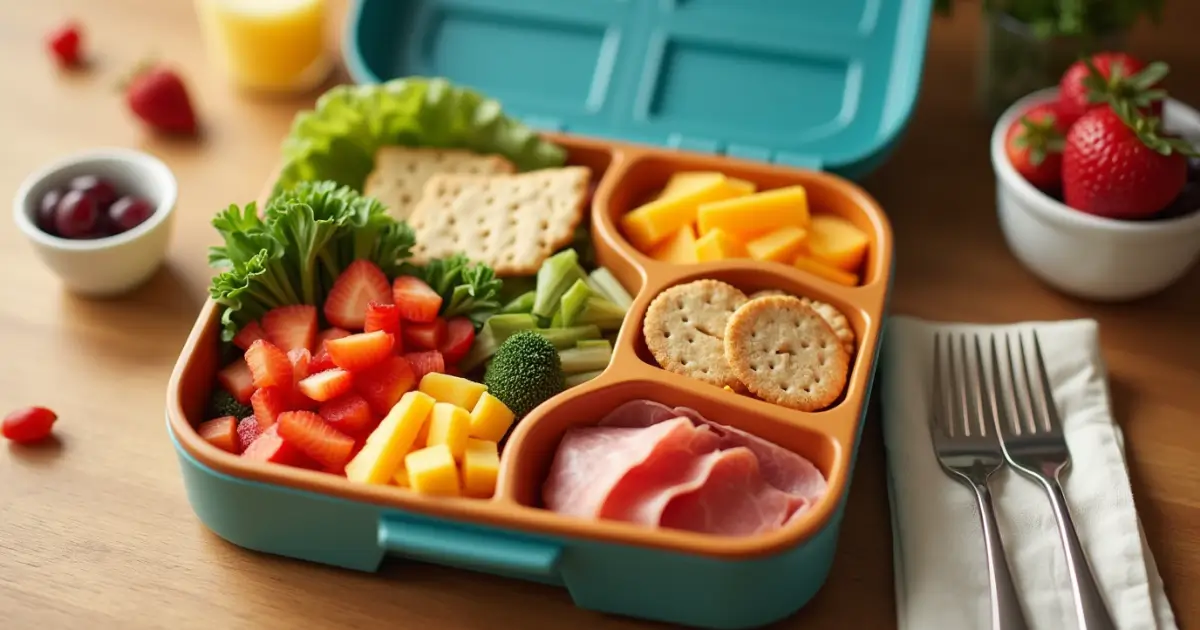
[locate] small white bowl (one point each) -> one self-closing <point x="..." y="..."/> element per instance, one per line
<point x="112" y="265"/>
<point x="1088" y="256"/>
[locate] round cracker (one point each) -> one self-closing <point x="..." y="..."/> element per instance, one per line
<point x="837" y="321"/>
<point x="768" y="293"/>
<point x="685" y="326"/>
<point x="786" y="353"/>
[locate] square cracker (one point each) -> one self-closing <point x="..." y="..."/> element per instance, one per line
<point x="401" y="172"/>
<point x="511" y="222"/>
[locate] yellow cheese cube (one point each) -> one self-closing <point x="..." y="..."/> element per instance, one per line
<point x="827" y="271"/>
<point x="490" y="419"/>
<point x="387" y="445"/>
<point x="401" y="478"/>
<point x="750" y="216"/>
<point x="680" y="249"/>
<point x="779" y="245"/>
<point x="432" y="470"/>
<point x="685" y="181"/>
<point x="654" y="222"/>
<point x="742" y="186"/>
<point x="718" y="245"/>
<point x="449" y="425"/>
<point x="452" y="389"/>
<point x="481" y="466"/>
<point x="837" y="241"/>
<point x="422" y="438"/>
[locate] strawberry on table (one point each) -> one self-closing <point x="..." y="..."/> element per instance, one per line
<point x="326" y="385"/>
<point x="350" y="414"/>
<point x="248" y="431"/>
<point x="415" y="300"/>
<point x="1034" y="144"/>
<point x="384" y="384"/>
<point x="269" y="365"/>
<point x="66" y="44"/>
<point x="249" y="334"/>
<point x="425" y="362"/>
<point x="291" y="327"/>
<point x="221" y="433"/>
<point x="361" y="283"/>
<point x="361" y="351"/>
<point x="460" y="334"/>
<point x="315" y="438"/>
<point x="425" y="336"/>
<point x="237" y="379"/>
<point x="1091" y="82"/>
<point x="268" y="403"/>
<point x="30" y="424"/>
<point x="158" y="96"/>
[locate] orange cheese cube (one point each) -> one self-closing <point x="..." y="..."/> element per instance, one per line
<point x="718" y="245"/>
<point x="827" y="271"/>
<point x="480" y="467"/>
<point x="686" y="181"/>
<point x="432" y="470"/>
<point x="401" y="478"/>
<point x="838" y="242"/>
<point x="387" y="445"/>
<point x="455" y="390"/>
<point x="653" y="223"/>
<point x="490" y="419"/>
<point x="742" y="186"/>
<point x="750" y="216"/>
<point x="779" y="245"/>
<point x="679" y="249"/>
<point x="448" y="424"/>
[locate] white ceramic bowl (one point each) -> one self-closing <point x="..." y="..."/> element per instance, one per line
<point x="1084" y="255"/>
<point x="111" y="265"/>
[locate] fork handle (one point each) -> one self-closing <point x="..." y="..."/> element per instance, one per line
<point x="1089" y="604"/>
<point x="1006" y="608"/>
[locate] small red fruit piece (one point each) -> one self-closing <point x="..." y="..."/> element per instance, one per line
<point x="237" y="379"/>
<point x="66" y="44"/>
<point x="350" y="414"/>
<point x="321" y="362"/>
<point x="77" y="215"/>
<point x="384" y="384"/>
<point x="326" y="385"/>
<point x="315" y="438"/>
<point x="129" y="212"/>
<point x="158" y="96"/>
<point x="248" y="334"/>
<point x="460" y="334"/>
<point x="327" y="334"/>
<point x="291" y="327"/>
<point x="361" y="351"/>
<point x="425" y="336"/>
<point x="415" y="300"/>
<point x="301" y="361"/>
<point x="268" y="403"/>
<point x="31" y="424"/>
<point x="425" y="362"/>
<point x="221" y="433"/>
<point x="269" y="365"/>
<point x="248" y="431"/>
<point x="1117" y="75"/>
<point x="270" y="447"/>
<point x="1034" y="144"/>
<point x="360" y="284"/>
<point x="383" y="317"/>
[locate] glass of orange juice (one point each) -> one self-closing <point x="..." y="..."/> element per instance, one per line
<point x="268" y="45"/>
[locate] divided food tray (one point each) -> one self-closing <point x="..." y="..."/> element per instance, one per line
<point x="669" y="575"/>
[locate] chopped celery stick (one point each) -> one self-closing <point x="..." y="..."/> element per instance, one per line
<point x="573" y="302"/>
<point x="503" y="326"/>
<point x="555" y="276"/>
<point x="522" y="304"/>
<point x="556" y="321"/>
<point x="603" y="313"/>
<point x="603" y="282"/>
<point x="577" y="360"/>
<point x="593" y="343"/>
<point x="582" y="377"/>
<point x="563" y="338"/>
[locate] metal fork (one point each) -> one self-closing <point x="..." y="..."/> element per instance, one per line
<point x="1034" y="445"/>
<point x="964" y="437"/>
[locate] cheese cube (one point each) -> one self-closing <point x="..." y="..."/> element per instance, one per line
<point x="401" y="477"/>
<point x="679" y="249"/>
<point x="718" y="245"/>
<point x="490" y="419"/>
<point x="452" y="389"/>
<point x="837" y="241"/>
<point x="449" y="425"/>
<point x="753" y="215"/>
<point x="780" y="245"/>
<point x="387" y="445"/>
<point x="432" y="470"/>
<point x="481" y="466"/>
<point x="686" y="181"/>
<point x="422" y="439"/>
<point x="827" y="271"/>
<point x="742" y="186"/>
<point x="654" y="222"/>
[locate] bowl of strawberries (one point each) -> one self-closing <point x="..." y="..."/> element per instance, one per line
<point x="1097" y="181"/>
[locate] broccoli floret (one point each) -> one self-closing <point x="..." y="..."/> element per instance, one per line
<point x="525" y="372"/>
<point x="222" y="404"/>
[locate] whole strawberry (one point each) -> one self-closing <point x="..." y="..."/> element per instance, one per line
<point x="1118" y="164"/>
<point x="1092" y="82"/>
<point x="1034" y="144"/>
<point x="160" y="99"/>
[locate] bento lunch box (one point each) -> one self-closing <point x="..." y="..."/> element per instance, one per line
<point x="614" y="567"/>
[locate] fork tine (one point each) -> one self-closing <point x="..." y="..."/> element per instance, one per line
<point x="938" y="416"/>
<point x="1002" y="392"/>
<point x="970" y="392"/>
<point x="987" y="395"/>
<point x="1021" y="407"/>
<point x="958" y="392"/>
<point x="1046" y="398"/>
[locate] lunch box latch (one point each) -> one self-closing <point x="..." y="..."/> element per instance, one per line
<point x="744" y="152"/>
<point x="470" y="548"/>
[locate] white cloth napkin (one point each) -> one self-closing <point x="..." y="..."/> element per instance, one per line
<point x="941" y="570"/>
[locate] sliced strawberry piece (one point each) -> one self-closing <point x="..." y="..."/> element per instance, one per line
<point x="384" y="384"/>
<point x="429" y="336"/>
<point x="350" y="414"/>
<point x="361" y="351"/>
<point x="326" y="385"/>
<point x="237" y="379"/>
<point x="249" y="334"/>
<point x="359" y="285"/>
<point x="268" y="403"/>
<point x="425" y="362"/>
<point x="221" y="433"/>
<point x="415" y="300"/>
<point x="383" y="317"/>
<point x="453" y="370"/>
<point x="270" y="447"/>
<point x="326" y="335"/>
<point x="248" y="431"/>
<point x="315" y="438"/>
<point x="321" y="362"/>
<point x="460" y="334"/>
<point x="269" y="365"/>
<point x="301" y="369"/>
<point x="291" y="327"/>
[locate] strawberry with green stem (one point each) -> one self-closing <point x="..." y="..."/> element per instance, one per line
<point x="1093" y="81"/>
<point x="1034" y="145"/>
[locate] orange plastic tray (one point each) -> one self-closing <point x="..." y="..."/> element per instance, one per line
<point x="627" y="175"/>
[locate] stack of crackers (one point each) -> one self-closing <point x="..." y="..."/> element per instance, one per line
<point x="478" y="205"/>
<point x="794" y="352"/>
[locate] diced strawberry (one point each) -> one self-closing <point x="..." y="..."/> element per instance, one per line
<point x="321" y="362"/>
<point x="359" y="285"/>
<point x="248" y="334"/>
<point x="384" y="384"/>
<point x="425" y="362"/>
<point x="290" y="327"/>
<point x="315" y="438"/>
<point x="301" y="369"/>
<point x="460" y="334"/>
<point x="221" y="433"/>
<point x="350" y="414"/>
<point x="269" y="365"/>
<point x="326" y="335"/>
<point x="268" y="403"/>
<point x="270" y="447"/>
<point x="361" y="351"/>
<point x="415" y="300"/>
<point x="237" y="379"/>
<point x="429" y="336"/>
<point x="248" y="431"/>
<point x="383" y="317"/>
<point x="326" y="385"/>
<point x="453" y="370"/>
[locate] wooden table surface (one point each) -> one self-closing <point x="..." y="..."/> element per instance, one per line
<point x="95" y="530"/>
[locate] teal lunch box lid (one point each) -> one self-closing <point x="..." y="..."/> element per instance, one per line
<point x="820" y="84"/>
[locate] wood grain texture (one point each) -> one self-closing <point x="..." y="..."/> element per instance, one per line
<point x="95" y="529"/>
